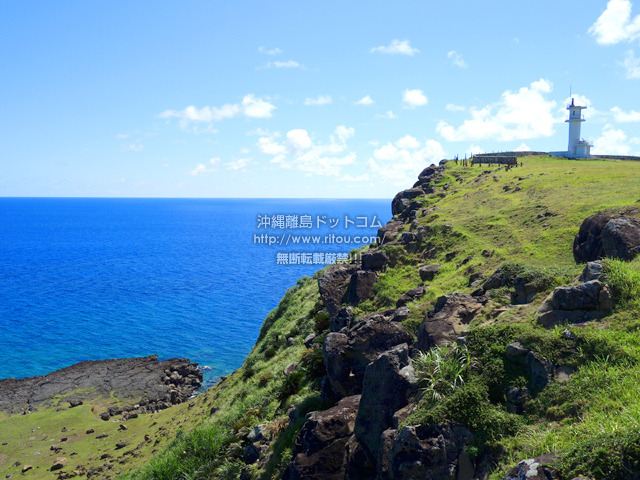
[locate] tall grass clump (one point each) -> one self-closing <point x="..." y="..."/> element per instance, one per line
<point x="441" y="370"/>
<point x="624" y="280"/>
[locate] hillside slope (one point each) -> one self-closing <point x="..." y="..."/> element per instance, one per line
<point x="430" y="359"/>
<point x="460" y="346"/>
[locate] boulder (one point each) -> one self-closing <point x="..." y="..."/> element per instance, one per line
<point x="403" y="200"/>
<point x="388" y="382"/>
<point x="320" y="448"/>
<point x="592" y="271"/>
<point x="524" y="291"/>
<point x="539" y="468"/>
<point x="621" y="238"/>
<point x="374" y="260"/>
<point x="428" y="272"/>
<point x="410" y="296"/>
<point x="361" y="286"/>
<point x="251" y="454"/>
<point x="332" y="286"/>
<point x="426" y="451"/>
<point x="347" y="353"/>
<point x="400" y="314"/>
<point x="389" y="232"/>
<point x="587" y="245"/>
<point x="59" y="463"/>
<point x="575" y="304"/>
<point x="344" y="318"/>
<point x="448" y="319"/>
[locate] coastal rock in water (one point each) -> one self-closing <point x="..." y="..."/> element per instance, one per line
<point x="448" y="319"/>
<point x="129" y="380"/>
<point x="320" y="449"/>
<point x="333" y="285"/>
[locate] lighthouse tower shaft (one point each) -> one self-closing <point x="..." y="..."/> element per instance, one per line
<point x="575" y="119"/>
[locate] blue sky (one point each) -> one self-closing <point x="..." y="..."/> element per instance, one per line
<point x="299" y="99"/>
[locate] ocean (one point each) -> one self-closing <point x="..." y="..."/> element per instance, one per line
<point x="96" y="278"/>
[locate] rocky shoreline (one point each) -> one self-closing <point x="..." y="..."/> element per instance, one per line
<point x="140" y="385"/>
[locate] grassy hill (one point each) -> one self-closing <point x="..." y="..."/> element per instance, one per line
<point x="479" y="219"/>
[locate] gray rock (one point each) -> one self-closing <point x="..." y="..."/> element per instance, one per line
<point x="410" y="296"/>
<point x="428" y="272"/>
<point x="621" y="238"/>
<point x="401" y="314"/>
<point x="127" y="379"/>
<point x="332" y="286"/>
<point x="290" y="368"/>
<point x="515" y="349"/>
<point x="343" y="319"/>
<point x="374" y="260"/>
<point x="308" y="340"/>
<point x="251" y="454"/>
<point x="320" y="449"/>
<point x="389" y="232"/>
<point x="426" y="451"/>
<point x="388" y="382"/>
<point x="575" y="304"/>
<point x="539" y="468"/>
<point x="347" y="353"/>
<point x="448" y="319"/>
<point x="361" y="286"/>
<point x="403" y="199"/>
<point x="256" y="434"/>
<point x="592" y="271"/>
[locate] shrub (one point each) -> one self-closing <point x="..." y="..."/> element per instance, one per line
<point x="441" y="370"/>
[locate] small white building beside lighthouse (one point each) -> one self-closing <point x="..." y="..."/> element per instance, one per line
<point x="578" y="147"/>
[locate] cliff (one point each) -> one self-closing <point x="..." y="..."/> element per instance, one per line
<point x="492" y="334"/>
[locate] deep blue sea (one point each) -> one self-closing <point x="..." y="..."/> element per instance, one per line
<point x="88" y="279"/>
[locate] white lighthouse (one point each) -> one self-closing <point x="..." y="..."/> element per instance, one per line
<point x="578" y="148"/>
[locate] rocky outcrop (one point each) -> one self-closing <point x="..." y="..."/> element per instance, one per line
<point x="428" y="272"/>
<point x="607" y="235"/>
<point x="374" y="260"/>
<point x="361" y="286"/>
<point x="575" y="304"/>
<point x="142" y="384"/>
<point x="347" y="353"/>
<point x="426" y="451"/>
<point x="539" y="468"/>
<point x="402" y="201"/>
<point x="388" y="382"/>
<point x="448" y="319"/>
<point x="388" y="233"/>
<point x="332" y="286"/>
<point x="320" y="449"/>
<point x="410" y="296"/>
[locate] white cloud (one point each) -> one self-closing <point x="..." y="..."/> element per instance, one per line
<point x="366" y="101"/>
<point x="408" y="142"/>
<point x="615" y="24"/>
<point x="520" y="115"/>
<point x="523" y="148"/>
<point x="473" y="150"/>
<point x="388" y="115"/>
<point x="238" y="164"/>
<point x="632" y="65"/>
<point x="256" y="108"/>
<point x="320" y="100"/>
<point x="205" y="169"/>
<point x="299" y="151"/>
<point x="282" y="64"/>
<point x="364" y="177"/>
<point x="134" y="147"/>
<point x="414" y="98"/>
<point x="400" y="163"/>
<point x="455" y="108"/>
<point x="122" y="136"/>
<point x="457" y="59"/>
<point x="269" y="51"/>
<point x="397" y="47"/>
<point x="251" y="107"/>
<point x="612" y="141"/>
<point x="623" y="117"/>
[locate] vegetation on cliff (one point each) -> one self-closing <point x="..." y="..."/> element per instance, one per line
<point x="510" y="360"/>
